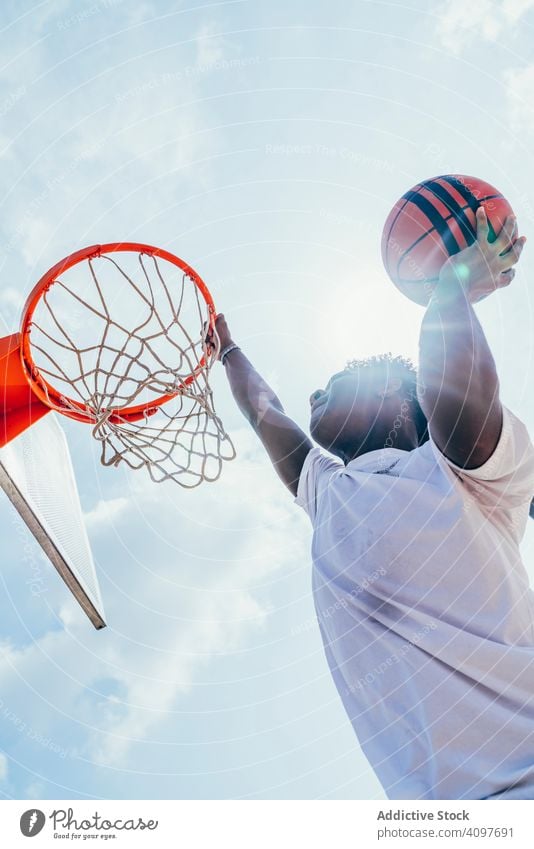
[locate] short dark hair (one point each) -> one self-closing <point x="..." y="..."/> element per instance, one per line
<point x="404" y="368"/>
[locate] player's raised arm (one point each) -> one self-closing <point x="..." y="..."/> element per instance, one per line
<point x="286" y="444"/>
<point x="458" y="384"/>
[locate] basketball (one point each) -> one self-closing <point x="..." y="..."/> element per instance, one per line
<point x="433" y="221"/>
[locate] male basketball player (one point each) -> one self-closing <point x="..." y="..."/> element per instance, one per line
<point x="418" y="511"/>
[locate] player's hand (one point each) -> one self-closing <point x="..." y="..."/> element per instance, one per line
<point x="485" y="266"/>
<point x="222" y="331"/>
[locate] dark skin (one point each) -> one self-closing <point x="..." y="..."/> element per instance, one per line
<point x="355" y="413"/>
<point x="459" y="391"/>
<point x="458" y="386"/>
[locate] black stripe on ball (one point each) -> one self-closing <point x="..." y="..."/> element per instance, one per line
<point x="467" y="229"/>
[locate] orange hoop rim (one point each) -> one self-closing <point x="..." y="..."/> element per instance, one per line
<point x="43" y="389"/>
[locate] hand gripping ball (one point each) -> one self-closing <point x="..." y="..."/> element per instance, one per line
<point x="430" y="223"/>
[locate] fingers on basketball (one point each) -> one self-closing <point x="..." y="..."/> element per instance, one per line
<point x="512" y="255"/>
<point x="506" y="277"/>
<point x="507" y="235"/>
<point x="482" y="225"/>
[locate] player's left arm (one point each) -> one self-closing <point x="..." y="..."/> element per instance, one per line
<point x="458" y="386"/>
<point x="286" y="444"/>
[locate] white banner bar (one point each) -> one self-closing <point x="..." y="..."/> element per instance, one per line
<point x="268" y="824"/>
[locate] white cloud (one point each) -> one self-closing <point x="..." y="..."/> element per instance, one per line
<point x="128" y="146"/>
<point x="171" y="675"/>
<point x="35" y="790"/>
<point x="209" y="47"/>
<point x="106" y="511"/>
<point x="201" y="593"/>
<point x="462" y="23"/>
<point x="520" y="92"/>
<point x="514" y="9"/>
<point x="135" y="13"/>
<point x="11" y="299"/>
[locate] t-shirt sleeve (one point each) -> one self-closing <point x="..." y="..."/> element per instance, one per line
<point x="315" y="474"/>
<point x="507" y="477"/>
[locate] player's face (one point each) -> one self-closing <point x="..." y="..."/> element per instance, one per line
<point x="343" y="415"/>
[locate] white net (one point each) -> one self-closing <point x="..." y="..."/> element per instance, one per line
<point x="114" y="335"/>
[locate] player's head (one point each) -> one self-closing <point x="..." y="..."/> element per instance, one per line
<point x="371" y="404"/>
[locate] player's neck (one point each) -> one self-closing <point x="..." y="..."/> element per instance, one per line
<point x="404" y="438"/>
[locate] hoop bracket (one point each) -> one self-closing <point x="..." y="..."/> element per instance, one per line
<point x="19" y="405"/>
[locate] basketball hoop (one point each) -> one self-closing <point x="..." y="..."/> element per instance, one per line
<point x="121" y="345"/>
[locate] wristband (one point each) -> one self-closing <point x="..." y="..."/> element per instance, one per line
<point x="228" y="350"/>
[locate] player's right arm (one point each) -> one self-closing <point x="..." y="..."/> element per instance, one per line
<point x="286" y="444"/>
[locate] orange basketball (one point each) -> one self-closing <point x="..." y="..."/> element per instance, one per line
<point x="430" y="223"/>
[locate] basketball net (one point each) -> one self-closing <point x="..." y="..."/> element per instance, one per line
<point x="122" y="364"/>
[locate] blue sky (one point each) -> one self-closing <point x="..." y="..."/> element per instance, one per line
<point x="264" y="142"/>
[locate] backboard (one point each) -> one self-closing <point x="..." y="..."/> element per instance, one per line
<point x="37" y="476"/>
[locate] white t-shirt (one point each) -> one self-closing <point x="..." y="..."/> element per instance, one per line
<point x="426" y="613"/>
